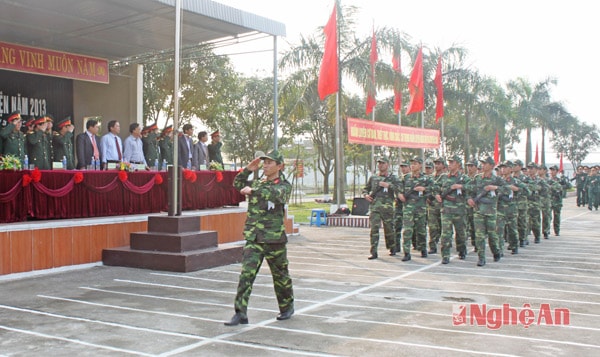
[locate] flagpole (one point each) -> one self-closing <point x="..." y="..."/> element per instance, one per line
<point x="443" y="139"/>
<point x="338" y="125"/>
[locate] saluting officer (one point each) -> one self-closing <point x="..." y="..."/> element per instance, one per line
<point x="62" y="141"/>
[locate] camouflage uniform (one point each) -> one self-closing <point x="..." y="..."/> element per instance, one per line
<point x="398" y="212"/>
<point x="485" y="213"/>
<point x="592" y="187"/>
<point x="556" y="195"/>
<point x="382" y="210"/>
<point x="508" y="210"/>
<point x="415" y="212"/>
<point x="522" y="206"/>
<point x="434" y="212"/>
<point x="453" y="212"/>
<point x="264" y="232"/>
<point x="580" y="185"/>
<point x="534" y="206"/>
<point x="545" y="207"/>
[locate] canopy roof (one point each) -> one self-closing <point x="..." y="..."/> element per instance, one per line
<point x="118" y="29"/>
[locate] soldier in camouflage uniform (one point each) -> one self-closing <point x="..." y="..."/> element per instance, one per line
<point x="557" y="189"/>
<point x="471" y="172"/>
<point x="592" y="187"/>
<point x="265" y="236"/>
<point x="534" y="202"/>
<point x="451" y="192"/>
<point x="580" y="184"/>
<point x="434" y="214"/>
<point x="62" y="141"/>
<point x="545" y="199"/>
<point x="150" y="145"/>
<point x="507" y="208"/>
<point x="380" y="192"/>
<point x="14" y="139"/>
<point x="398" y="215"/>
<point x="522" y="203"/>
<point x="415" y="187"/>
<point x="37" y="141"/>
<point x="484" y="199"/>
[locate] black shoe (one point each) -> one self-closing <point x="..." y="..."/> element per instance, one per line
<point x="590" y="208"/>
<point x="424" y="253"/>
<point x="497" y="257"/>
<point x="237" y="319"/>
<point x="536" y="240"/>
<point x="545" y="236"/>
<point x="557" y="234"/>
<point x="392" y="252"/>
<point x="286" y="314"/>
<point x="445" y="260"/>
<point x="515" y="251"/>
<point x="527" y="242"/>
<point x="462" y="255"/>
<point x="372" y="256"/>
<point x="406" y="257"/>
<point x="522" y="244"/>
<point x="481" y="262"/>
<point x="433" y="251"/>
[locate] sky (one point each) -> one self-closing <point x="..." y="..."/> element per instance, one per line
<point x="505" y="39"/>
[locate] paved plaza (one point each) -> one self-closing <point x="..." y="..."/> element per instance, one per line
<point x="545" y="301"/>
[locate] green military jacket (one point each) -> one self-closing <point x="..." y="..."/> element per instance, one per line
<point x="592" y="183"/>
<point x="535" y="196"/>
<point x="523" y="194"/>
<point x="408" y="189"/>
<point x="214" y="152"/>
<point x="166" y="150"/>
<point x="266" y="208"/>
<point x="487" y="201"/>
<point x="556" y="192"/>
<point x="508" y="199"/>
<point x="381" y="194"/>
<point x="63" y="146"/>
<point x="151" y="149"/>
<point x="14" y="142"/>
<point x="453" y="201"/>
<point x="39" y="154"/>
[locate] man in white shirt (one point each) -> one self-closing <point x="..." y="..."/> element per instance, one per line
<point x="112" y="145"/>
<point x="133" y="152"/>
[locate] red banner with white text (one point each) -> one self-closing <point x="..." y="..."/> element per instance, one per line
<point x="52" y="63"/>
<point x="361" y="131"/>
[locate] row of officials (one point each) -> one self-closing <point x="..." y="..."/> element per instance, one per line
<point x="39" y="141"/>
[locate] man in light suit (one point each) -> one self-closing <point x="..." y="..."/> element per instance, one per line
<point x="200" y="154"/>
<point x="85" y="147"/>
<point x="186" y="146"/>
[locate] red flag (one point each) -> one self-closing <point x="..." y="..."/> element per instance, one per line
<point x="415" y="86"/>
<point x="536" y="154"/>
<point x="371" y="90"/>
<point x="328" y="74"/>
<point x="439" y="107"/>
<point x="398" y="70"/>
<point x="496" y="147"/>
<point x="561" y="168"/>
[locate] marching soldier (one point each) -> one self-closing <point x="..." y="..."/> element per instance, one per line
<point x="451" y="193"/>
<point x="534" y="202"/>
<point x="434" y="215"/>
<point x="592" y="187"/>
<point x="508" y="208"/>
<point x="556" y="195"/>
<point x="415" y="187"/>
<point x="522" y="202"/>
<point x="545" y="194"/>
<point x="398" y="215"/>
<point x="484" y="200"/>
<point x="471" y="173"/>
<point x="62" y="141"/>
<point x="380" y="192"/>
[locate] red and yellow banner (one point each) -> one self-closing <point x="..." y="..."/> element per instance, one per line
<point x="52" y="63"/>
<point x="361" y="131"/>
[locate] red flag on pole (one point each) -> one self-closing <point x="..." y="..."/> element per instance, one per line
<point x="439" y="107"/>
<point x="415" y="86"/>
<point x="561" y="168"/>
<point x="496" y="148"/>
<point x="398" y="71"/>
<point x="371" y="90"/>
<point x="536" y="154"/>
<point x="328" y="73"/>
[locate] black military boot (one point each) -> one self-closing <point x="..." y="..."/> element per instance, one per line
<point x="481" y="262"/>
<point x="433" y="250"/>
<point x="515" y="250"/>
<point x="406" y="257"/>
<point x="497" y="257"/>
<point x="424" y="253"/>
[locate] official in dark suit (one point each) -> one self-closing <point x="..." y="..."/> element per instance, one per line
<point x="85" y="147"/>
<point x="200" y="154"/>
<point x="186" y="146"/>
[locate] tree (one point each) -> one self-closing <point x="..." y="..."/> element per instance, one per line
<point x="575" y="139"/>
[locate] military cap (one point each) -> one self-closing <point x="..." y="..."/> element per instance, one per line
<point x="428" y="164"/>
<point x="440" y="159"/>
<point x="39" y="120"/>
<point x="215" y="133"/>
<point x="455" y="158"/>
<point x="518" y="162"/>
<point x="30" y="121"/>
<point x="48" y="118"/>
<point x="417" y="159"/>
<point x="65" y="122"/>
<point x="167" y="129"/>
<point x="274" y="155"/>
<point x="542" y="167"/>
<point x="472" y="162"/>
<point x="500" y="164"/>
<point x="508" y="163"/>
<point x="383" y="159"/>
<point x="553" y="167"/>
<point x="405" y="163"/>
<point x="14" y="116"/>
<point x="488" y="160"/>
<point x="532" y="165"/>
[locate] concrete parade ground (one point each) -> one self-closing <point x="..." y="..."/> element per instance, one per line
<point x="544" y="301"/>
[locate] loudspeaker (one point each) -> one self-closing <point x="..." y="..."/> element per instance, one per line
<point x="360" y="207"/>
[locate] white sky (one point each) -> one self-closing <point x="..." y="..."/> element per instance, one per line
<point x="505" y="39"/>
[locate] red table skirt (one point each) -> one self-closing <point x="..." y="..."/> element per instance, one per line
<point x="42" y="194"/>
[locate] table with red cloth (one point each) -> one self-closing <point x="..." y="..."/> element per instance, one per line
<point x="59" y="194"/>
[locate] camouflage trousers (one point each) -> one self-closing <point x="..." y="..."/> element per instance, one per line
<point x="470" y="225"/>
<point x="556" y="218"/>
<point x="522" y="224"/>
<point x="546" y="218"/>
<point x="276" y="257"/>
<point x="415" y="221"/>
<point x="453" y="224"/>
<point x="500" y="229"/>
<point x="485" y="228"/>
<point x="434" y="223"/>
<point x="581" y="196"/>
<point x="382" y="213"/>
<point x="509" y="232"/>
<point x="535" y="221"/>
<point x="593" y="199"/>
<point x="398" y="217"/>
